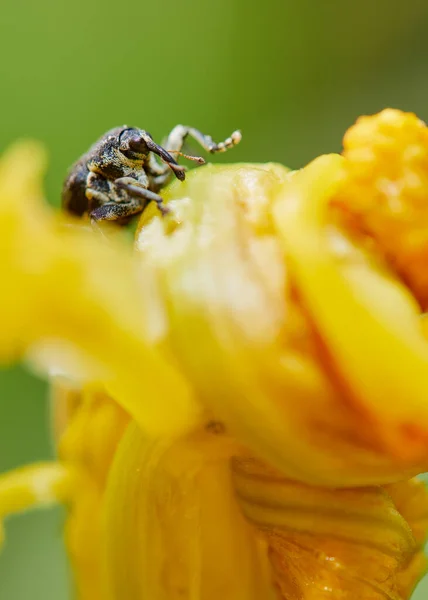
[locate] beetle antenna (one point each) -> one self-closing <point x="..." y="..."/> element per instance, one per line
<point x="197" y="159"/>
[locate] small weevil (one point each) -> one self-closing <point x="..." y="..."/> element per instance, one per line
<point x="120" y="175"/>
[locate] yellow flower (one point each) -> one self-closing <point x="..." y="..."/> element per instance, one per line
<point x="243" y="398"/>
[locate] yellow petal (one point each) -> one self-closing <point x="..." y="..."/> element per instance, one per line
<point x="368" y="323"/>
<point x="92" y="425"/>
<point x="71" y="289"/>
<point x="173" y="528"/>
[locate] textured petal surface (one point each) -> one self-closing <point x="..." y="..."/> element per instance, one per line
<point x="329" y="543"/>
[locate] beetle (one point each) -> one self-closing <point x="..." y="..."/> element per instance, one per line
<point x="120" y="173"/>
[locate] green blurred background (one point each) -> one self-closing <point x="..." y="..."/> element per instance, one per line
<point x="292" y="74"/>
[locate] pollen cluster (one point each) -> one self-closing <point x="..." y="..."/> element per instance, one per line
<point x="385" y="195"/>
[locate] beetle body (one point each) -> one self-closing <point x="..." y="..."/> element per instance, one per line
<point x="119" y="174"/>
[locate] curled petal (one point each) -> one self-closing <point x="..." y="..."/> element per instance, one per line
<point x="291" y="334"/>
<point x="367" y="323"/>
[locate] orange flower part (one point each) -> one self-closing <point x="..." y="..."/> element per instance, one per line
<point x="385" y="194"/>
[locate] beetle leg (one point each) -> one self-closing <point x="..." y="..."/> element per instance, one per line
<point x="156" y="168"/>
<point x="114" y="211"/>
<point x="99" y="197"/>
<point x="176" y="138"/>
<point x="157" y="183"/>
<point x="160" y="174"/>
<point x="142" y="193"/>
<point x="97" y="189"/>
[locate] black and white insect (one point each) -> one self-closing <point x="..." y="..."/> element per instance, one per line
<point x="120" y="174"/>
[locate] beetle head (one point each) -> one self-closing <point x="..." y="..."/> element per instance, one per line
<point x="132" y="142"/>
<point x="136" y="144"/>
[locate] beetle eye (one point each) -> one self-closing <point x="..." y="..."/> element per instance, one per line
<point x="137" y="144"/>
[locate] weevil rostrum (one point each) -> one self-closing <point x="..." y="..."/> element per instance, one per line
<point x="120" y="173"/>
